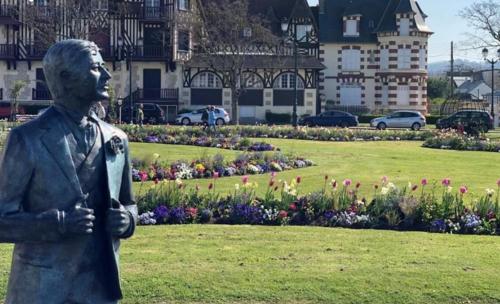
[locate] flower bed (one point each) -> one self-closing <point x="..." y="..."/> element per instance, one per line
<point x="304" y="133"/>
<point x="209" y="167"/>
<point x="422" y="207"/>
<point x="233" y="143"/>
<point x="456" y="141"/>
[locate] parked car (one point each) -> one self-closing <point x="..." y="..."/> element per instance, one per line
<point x="153" y="114"/>
<point x="5" y="111"/>
<point x="194" y="117"/>
<point x="467" y="118"/>
<point x="400" y="119"/>
<point x="331" y="119"/>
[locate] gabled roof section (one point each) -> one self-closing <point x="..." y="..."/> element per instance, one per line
<point x="388" y="21"/>
<point x="333" y="11"/>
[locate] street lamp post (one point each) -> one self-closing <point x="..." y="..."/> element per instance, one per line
<point x="119" y="101"/>
<point x="492" y="61"/>
<point x="285" y="26"/>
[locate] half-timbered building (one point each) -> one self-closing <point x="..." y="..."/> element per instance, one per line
<point x="375" y="52"/>
<point x="148" y="45"/>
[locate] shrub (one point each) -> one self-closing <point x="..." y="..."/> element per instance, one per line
<point x="278" y="118"/>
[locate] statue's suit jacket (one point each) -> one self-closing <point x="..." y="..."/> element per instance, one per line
<point x="37" y="177"/>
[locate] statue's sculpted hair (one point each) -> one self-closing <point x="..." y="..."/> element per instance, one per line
<point x="63" y="56"/>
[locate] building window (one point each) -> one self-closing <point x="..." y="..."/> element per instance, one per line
<point x="384" y="59"/>
<point x="251" y="81"/>
<point x="287" y="82"/>
<point x="404" y="27"/>
<point x="385" y="94"/>
<point x="301" y="31"/>
<point x="403" y="95"/>
<point x="351" y="60"/>
<point x="350" y="94"/>
<point x="422" y="59"/>
<point x="351" y="28"/>
<point x="100" y="5"/>
<point x="404" y="59"/>
<point x="247" y="32"/>
<point x="183" y="41"/>
<point x="184" y="5"/>
<point x="206" y="80"/>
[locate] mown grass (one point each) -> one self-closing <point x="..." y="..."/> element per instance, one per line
<point x="366" y="162"/>
<point x="250" y="264"/>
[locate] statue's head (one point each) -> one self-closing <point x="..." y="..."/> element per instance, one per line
<point x="75" y="72"/>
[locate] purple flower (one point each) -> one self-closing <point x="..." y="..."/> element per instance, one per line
<point x="178" y="216"/>
<point x="329" y="214"/>
<point x="151" y="139"/>
<point x="438" y="225"/>
<point x="161" y="214"/>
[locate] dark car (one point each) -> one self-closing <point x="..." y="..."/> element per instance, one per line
<point x="331" y="119"/>
<point x="481" y="120"/>
<point x="153" y="114"/>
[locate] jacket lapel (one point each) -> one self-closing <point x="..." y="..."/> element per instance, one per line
<point x="55" y="141"/>
<point x="112" y="161"/>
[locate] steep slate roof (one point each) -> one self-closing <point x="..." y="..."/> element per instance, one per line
<point x="261" y="62"/>
<point x="381" y="12"/>
<point x="331" y="21"/>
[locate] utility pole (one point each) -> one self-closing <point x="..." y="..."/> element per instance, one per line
<point x="452" y="62"/>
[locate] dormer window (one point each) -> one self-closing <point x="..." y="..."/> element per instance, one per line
<point x="351" y="28"/>
<point x="183" y="5"/>
<point x="404" y="27"/>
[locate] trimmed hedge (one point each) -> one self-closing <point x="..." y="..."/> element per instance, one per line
<point x="278" y="118"/>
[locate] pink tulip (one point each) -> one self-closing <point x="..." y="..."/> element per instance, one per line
<point x="273" y="174"/>
<point x="216" y="175"/>
<point x="424" y="182"/>
<point x="384" y="179"/>
<point x="347" y="182"/>
<point x="244" y="179"/>
<point x="498" y="183"/>
<point x="463" y="189"/>
<point x="446" y="182"/>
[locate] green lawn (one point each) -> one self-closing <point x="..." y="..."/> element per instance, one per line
<point x="366" y="162"/>
<point x="244" y="264"/>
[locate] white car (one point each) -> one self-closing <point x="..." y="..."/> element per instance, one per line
<point x="400" y="119"/>
<point x="194" y="117"/>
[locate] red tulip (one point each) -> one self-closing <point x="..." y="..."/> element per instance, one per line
<point x="244" y="179"/>
<point x="210" y="186"/>
<point x="298" y="179"/>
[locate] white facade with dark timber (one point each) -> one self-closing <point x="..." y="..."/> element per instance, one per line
<point x="375" y="53"/>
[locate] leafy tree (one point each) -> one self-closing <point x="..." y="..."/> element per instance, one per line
<point x="226" y="36"/>
<point x="484" y="16"/>
<point x="437" y="88"/>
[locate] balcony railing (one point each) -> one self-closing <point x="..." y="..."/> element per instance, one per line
<point x="156" y="13"/>
<point x="8" y="10"/>
<point x="146" y="51"/>
<point x="41" y="94"/>
<point x="7" y="51"/>
<point x="157" y="94"/>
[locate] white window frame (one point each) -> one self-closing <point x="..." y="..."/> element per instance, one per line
<point x="350" y="94"/>
<point x="183" y="5"/>
<point x="422" y="58"/>
<point x="179" y="41"/>
<point x="403" y="94"/>
<point x="351" y="60"/>
<point x="385" y="94"/>
<point x="206" y="80"/>
<point x="384" y="59"/>
<point x="404" y="59"/>
<point x="404" y="27"/>
<point x="351" y="28"/>
<point x="252" y="81"/>
<point x="286" y="81"/>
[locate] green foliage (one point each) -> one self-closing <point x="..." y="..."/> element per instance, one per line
<point x="437" y="88"/>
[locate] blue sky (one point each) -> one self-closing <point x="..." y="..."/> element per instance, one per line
<point x="447" y="26"/>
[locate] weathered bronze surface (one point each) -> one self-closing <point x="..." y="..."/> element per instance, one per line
<point x="66" y="189"/>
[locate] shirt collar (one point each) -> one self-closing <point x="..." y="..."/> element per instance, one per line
<point x="74" y="116"/>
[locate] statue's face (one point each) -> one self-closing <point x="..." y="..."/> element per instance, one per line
<point x="92" y="78"/>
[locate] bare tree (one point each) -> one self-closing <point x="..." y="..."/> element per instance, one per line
<point x="228" y="38"/>
<point x="14" y="93"/>
<point x="484" y="16"/>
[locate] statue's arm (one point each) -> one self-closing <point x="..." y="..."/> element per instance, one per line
<point x="127" y="194"/>
<point x="16" y="226"/>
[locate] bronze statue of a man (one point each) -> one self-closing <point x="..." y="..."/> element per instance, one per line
<point x="66" y="189"/>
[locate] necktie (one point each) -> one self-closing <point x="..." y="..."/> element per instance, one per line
<point x="89" y="134"/>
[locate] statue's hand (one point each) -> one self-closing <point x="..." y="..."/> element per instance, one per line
<point x="117" y="221"/>
<point x="79" y="221"/>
